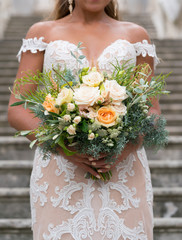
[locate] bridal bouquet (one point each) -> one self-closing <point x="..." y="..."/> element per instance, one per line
<point x="93" y="111"/>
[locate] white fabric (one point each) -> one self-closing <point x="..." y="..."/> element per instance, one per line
<point x="65" y="205"/>
<point x="59" y="51"/>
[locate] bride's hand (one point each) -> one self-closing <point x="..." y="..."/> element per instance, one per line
<point x="87" y="162"/>
<point x="129" y="148"/>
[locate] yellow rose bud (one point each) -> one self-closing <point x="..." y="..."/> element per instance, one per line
<point x="65" y="96"/>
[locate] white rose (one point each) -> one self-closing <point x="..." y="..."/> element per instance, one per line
<point x="65" y="96"/>
<point x="117" y="92"/>
<point x="71" y="107"/>
<point x="67" y="118"/>
<point x="93" y="79"/>
<point x="91" y="136"/>
<point x="120" y="109"/>
<point x="77" y="119"/>
<point x="71" y="130"/>
<point x="86" y="96"/>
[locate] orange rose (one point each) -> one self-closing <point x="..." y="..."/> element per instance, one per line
<point x="107" y="116"/>
<point x="49" y="104"/>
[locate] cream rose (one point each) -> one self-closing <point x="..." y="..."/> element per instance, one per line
<point x="93" y="79"/>
<point x="67" y="118"/>
<point x="77" y="119"/>
<point x="117" y="92"/>
<point x="120" y="109"/>
<point x="91" y="136"/>
<point x="86" y="96"/>
<point x="71" y="107"/>
<point x="65" y="96"/>
<point x="71" y="130"/>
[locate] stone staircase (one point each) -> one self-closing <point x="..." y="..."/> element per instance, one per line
<point x="16" y="157"/>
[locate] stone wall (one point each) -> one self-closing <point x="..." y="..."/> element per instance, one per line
<point x="5" y="13"/>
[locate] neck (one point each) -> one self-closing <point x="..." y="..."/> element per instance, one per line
<point x="88" y="17"/>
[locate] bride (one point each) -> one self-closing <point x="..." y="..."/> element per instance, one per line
<point x="65" y="205"/>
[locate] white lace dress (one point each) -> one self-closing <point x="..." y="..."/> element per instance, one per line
<point x="65" y="205"/>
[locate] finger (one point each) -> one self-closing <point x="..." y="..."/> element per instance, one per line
<point x="90" y="170"/>
<point x="102" y="155"/>
<point x="101" y="163"/>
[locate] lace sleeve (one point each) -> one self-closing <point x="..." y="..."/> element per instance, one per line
<point x="33" y="45"/>
<point x="144" y="48"/>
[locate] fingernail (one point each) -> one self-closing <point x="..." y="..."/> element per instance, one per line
<point x="90" y="158"/>
<point x="93" y="163"/>
<point x="97" y="176"/>
<point x="99" y="170"/>
<point x="107" y="166"/>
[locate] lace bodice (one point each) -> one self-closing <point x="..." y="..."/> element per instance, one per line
<point x="58" y="52"/>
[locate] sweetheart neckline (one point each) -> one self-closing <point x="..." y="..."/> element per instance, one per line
<point x="102" y="52"/>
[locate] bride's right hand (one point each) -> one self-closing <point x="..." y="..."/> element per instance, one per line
<point x="85" y="161"/>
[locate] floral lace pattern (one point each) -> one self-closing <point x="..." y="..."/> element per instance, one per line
<point x="58" y="52"/>
<point x="87" y="209"/>
<point x="65" y="205"/>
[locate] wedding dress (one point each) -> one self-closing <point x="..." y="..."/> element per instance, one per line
<point x="65" y="205"/>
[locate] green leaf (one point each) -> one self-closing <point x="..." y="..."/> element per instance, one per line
<point x="142" y="82"/>
<point x="79" y="44"/>
<point x="138" y="90"/>
<point x="129" y="94"/>
<point x="81" y="57"/>
<point x="17" y="103"/>
<point x="33" y="143"/>
<point x="24" y="133"/>
<point x="84" y="126"/>
<point x="73" y="55"/>
<point x="61" y="144"/>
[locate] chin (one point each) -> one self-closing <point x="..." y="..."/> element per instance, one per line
<point x="95" y="5"/>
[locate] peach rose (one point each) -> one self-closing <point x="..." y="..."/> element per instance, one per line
<point x="107" y="116"/>
<point x="49" y="104"/>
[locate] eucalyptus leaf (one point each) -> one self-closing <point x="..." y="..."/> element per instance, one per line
<point x="138" y="90"/>
<point x="142" y="81"/>
<point x="33" y="143"/>
<point x="73" y="54"/>
<point x="81" y="57"/>
<point x="17" y="103"/>
<point x="24" y="133"/>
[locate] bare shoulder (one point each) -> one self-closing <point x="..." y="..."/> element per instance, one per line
<point x="40" y="29"/>
<point x="135" y="32"/>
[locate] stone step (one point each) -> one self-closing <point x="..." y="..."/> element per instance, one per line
<point x="171" y="108"/>
<point x="9" y="65"/>
<point x="8" y="72"/>
<point x="172" y="98"/>
<point x="20" y="229"/>
<point x="16" y="173"/>
<point x="15" y="148"/>
<point x="175" y="71"/>
<point x="6" y="58"/>
<point x="15" y="203"/>
<point x="170" y="56"/>
<point x="7" y="131"/>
